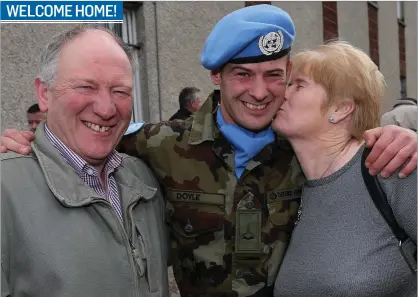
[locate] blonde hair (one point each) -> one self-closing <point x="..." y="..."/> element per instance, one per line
<point x="346" y="72"/>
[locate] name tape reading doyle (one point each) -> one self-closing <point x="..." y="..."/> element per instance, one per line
<point x="61" y="11"/>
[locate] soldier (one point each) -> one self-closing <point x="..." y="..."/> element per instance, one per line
<point x="232" y="186"/>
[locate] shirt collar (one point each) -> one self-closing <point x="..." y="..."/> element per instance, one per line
<point x="113" y="161"/>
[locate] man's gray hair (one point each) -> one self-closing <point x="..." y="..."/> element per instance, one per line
<point x="187" y="94"/>
<point x="50" y="55"/>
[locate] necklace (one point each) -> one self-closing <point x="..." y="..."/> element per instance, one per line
<point x="333" y="160"/>
<point x="300" y="209"/>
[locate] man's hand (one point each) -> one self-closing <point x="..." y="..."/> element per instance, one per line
<point x="16" y="141"/>
<point x="391" y="147"/>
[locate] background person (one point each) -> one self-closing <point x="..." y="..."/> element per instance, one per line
<point x="189" y="102"/>
<point x="34" y="117"/>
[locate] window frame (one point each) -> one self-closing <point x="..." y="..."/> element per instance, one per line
<point x="128" y="32"/>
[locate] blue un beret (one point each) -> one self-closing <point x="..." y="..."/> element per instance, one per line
<point x="252" y="34"/>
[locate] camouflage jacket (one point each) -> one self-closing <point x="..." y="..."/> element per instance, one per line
<point x="228" y="236"/>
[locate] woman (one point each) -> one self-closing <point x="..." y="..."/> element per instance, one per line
<point x="341" y="245"/>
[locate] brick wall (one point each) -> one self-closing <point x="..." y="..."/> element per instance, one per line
<point x="330" y="20"/>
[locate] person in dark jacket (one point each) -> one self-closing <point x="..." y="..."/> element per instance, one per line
<point x="189" y="101"/>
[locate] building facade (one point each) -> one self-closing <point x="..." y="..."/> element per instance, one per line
<point x="168" y="37"/>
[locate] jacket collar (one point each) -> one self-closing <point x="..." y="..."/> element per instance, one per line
<point x="405" y="101"/>
<point x="69" y="189"/>
<point x="204" y="127"/>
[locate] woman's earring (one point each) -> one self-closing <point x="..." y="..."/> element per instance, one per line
<point x="331" y="119"/>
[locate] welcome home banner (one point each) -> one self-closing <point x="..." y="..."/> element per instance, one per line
<point x="61" y="11"/>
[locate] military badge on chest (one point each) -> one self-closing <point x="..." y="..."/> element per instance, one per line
<point x="248" y="226"/>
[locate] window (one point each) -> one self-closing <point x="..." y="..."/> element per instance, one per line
<point x="128" y="32"/>
<point x="403" y="87"/>
<point x="401" y="10"/>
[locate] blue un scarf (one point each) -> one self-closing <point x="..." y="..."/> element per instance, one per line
<point x="246" y="144"/>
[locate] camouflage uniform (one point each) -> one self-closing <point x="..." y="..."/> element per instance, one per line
<point x="228" y="235"/>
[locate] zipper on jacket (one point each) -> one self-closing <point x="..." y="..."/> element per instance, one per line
<point x="139" y="250"/>
<point x="138" y="253"/>
<point x="139" y="259"/>
<point x="128" y="240"/>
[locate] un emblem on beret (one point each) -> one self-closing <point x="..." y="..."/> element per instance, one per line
<point x="271" y="43"/>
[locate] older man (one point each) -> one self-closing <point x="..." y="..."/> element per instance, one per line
<point x="79" y="219"/>
<point x="232" y="186"/>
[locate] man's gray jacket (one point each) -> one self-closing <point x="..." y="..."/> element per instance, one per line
<point x="59" y="238"/>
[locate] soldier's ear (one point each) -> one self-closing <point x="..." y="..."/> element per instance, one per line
<point x="215" y="76"/>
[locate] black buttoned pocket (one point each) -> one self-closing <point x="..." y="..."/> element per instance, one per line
<point x="192" y="214"/>
<point x="197" y="222"/>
